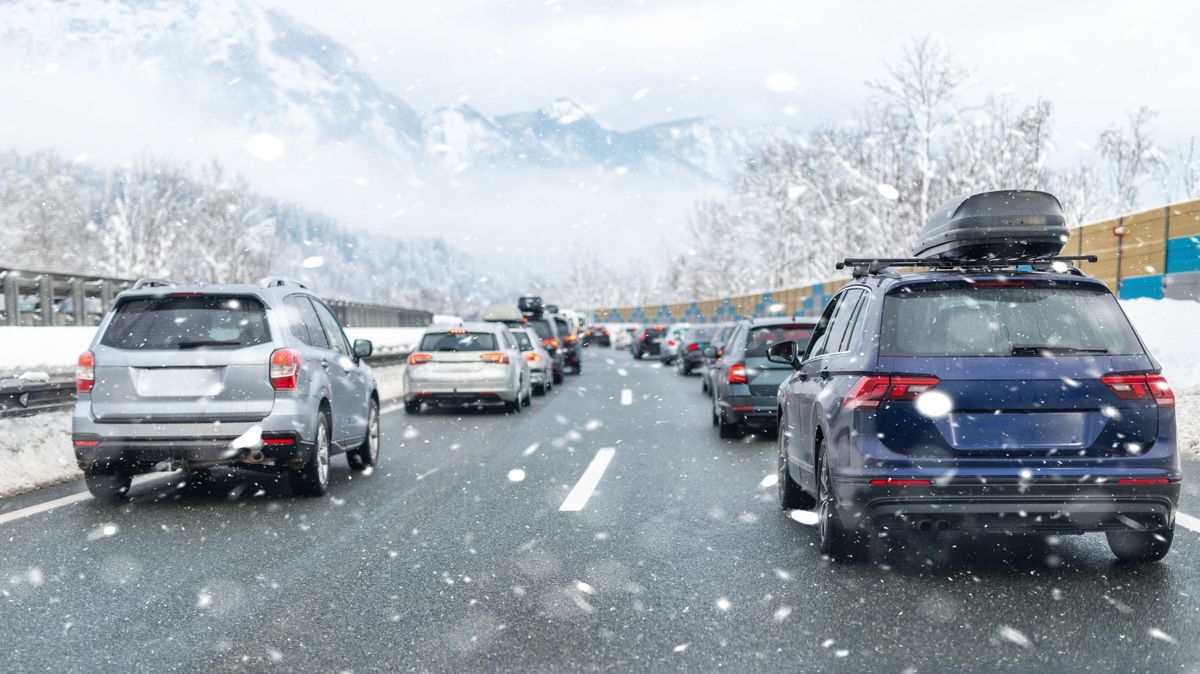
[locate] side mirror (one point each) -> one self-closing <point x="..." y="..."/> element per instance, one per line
<point x="783" y="353"/>
<point x="711" y="352"/>
<point x="363" y="348"/>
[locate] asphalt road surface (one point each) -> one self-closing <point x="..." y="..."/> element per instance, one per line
<point x="582" y="534"/>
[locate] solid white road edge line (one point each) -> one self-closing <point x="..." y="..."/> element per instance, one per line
<point x="587" y="482"/>
<point x="626" y="396"/>
<point x="5" y="518"/>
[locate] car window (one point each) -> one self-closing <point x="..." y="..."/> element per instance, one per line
<point x="187" y="322"/>
<point x="699" y="335"/>
<point x="458" y="341"/>
<point x="333" y="332"/>
<point x="840" y="322"/>
<point x="312" y="323"/>
<point x="762" y="337"/>
<point x="853" y="335"/>
<point x="523" y="341"/>
<point x="542" y="327"/>
<point x="821" y="334"/>
<point x="1017" y="319"/>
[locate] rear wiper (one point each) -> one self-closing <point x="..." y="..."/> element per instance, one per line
<point x="1039" y="349"/>
<point x="197" y="343"/>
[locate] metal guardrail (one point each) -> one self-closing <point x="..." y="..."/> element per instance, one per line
<point x="22" y="398"/>
<point x="42" y="298"/>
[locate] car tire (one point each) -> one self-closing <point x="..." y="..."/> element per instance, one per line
<point x="412" y="407"/>
<point x="312" y="479"/>
<point x="832" y="536"/>
<point x="528" y="399"/>
<point x="540" y="390"/>
<point x="726" y="429"/>
<point x="110" y="485"/>
<point x="637" y="355"/>
<point x="704" y="385"/>
<point x="367" y="454"/>
<point x="791" y="496"/>
<point x="558" y="377"/>
<point x="1140" y="547"/>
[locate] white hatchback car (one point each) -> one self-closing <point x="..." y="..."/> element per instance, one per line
<point x="467" y="364"/>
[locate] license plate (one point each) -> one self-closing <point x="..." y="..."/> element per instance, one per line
<point x="190" y="382"/>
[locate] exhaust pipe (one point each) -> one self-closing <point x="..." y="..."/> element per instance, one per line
<point x="943" y="525"/>
<point x="255" y="456"/>
<point x="925" y="525"/>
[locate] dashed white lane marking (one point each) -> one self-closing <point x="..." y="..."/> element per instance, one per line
<point x="531" y="449"/>
<point x="626" y="396"/>
<point x="1187" y="521"/>
<point x="588" y="481"/>
<point x="5" y="518"/>
<point x="622" y="371"/>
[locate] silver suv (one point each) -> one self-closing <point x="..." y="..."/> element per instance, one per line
<point x="193" y="376"/>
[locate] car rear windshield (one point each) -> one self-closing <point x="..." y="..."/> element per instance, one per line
<point x="541" y="327"/>
<point x="1011" y="320"/>
<point x="699" y="334"/>
<point x="523" y="341"/>
<point x="458" y="341"/>
<point x="187" y="322"/>
<point x="655" y="332"/>
<point x="761" y="338"/>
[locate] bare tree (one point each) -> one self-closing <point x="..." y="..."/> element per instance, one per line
<point x="1132" y="157"/>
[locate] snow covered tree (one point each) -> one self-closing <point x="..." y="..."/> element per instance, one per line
<point x="1131" y="157"/>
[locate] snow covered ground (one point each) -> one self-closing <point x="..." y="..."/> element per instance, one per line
<point x="55" y="349"/>
<point x="36" y="451"/>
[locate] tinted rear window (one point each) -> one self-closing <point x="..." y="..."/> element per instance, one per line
<point x="761" y="338"/>
<point x="187" y="323"/>
<point x="466" y="341"/>
<point x="523" y="341"/>
<point x="1004" y="321"/>
<point x="542" y="328"/>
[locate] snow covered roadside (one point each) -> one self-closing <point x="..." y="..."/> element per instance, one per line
<point x="36" y="451"/>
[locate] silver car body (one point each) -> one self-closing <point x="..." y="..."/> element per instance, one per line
<point x="465" y="375"/>
<point x="537" y="358"/>
<point x="669" y="347"/>
<point x="186" y="407"/>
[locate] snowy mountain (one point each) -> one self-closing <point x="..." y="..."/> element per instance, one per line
<point x="256" y="69"/>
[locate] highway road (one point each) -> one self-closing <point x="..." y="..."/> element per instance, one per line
<point x="606" y="528"/>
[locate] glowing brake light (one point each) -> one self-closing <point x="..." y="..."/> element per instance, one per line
<point x="1141" y="387"/>
<point x="671" y="342"/>
<point x="737" y="374"/>
<point x="497" y="358"/>
<point x="571" y="338"/>
<point x="550" y="343"/>
<point x="869" y="391"/>
<point x="693" y="347"/>
<point x="1144" y="480"/>
<point x="419" y="358"/>
<point x="533" y="357"/>
<point x="85" y="372"/>
<point x="457" y="331"/>
<point x="900" y="482"/>
<point x="285" y="369"/>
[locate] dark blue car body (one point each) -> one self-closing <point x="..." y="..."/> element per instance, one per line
<point x="1019" y="435"/>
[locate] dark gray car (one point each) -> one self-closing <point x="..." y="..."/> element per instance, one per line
<point x="193" y="376"/>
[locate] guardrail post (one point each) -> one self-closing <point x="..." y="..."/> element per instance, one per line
<point x="106" y="295"/>
<point x="77" y="308"/>
<point x="46" y="299"/>
<point x="12" y="300"/>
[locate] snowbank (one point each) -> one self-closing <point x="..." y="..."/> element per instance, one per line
<point x="55" y="349"/>
<point x="1169" y="328"/>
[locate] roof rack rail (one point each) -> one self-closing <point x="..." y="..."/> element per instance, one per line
<point x="152" y="282"/>
<point x="279" y="281"/>
<point x="866" y="266"/>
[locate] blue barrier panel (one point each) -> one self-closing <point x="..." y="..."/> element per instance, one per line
<point x="1142" y="286"/>
<point x="1183" y="254"/>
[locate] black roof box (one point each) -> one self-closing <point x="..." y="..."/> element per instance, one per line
<point x="1000" y="225"/>
<point x="529" y="304"/>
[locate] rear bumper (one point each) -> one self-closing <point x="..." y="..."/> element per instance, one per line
<point x="459" y="397"/>
<point x="758" y="411"/>
<point x="1041" y="505"/>
<point x="144" y="444"/>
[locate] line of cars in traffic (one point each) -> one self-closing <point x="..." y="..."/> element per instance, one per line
<point x="513" y="353"/>
<point x="998" y="388"/>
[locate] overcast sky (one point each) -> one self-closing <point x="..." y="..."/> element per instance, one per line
<point x="769" y="62"/>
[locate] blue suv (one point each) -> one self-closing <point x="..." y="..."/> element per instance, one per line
<point x="990" y="397"/>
